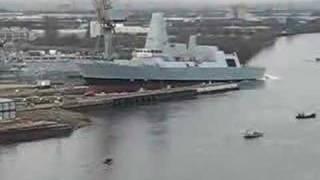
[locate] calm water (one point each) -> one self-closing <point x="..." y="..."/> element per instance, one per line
<point x="195" y="139"/>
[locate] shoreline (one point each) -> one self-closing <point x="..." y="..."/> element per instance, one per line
<point x="41" y="124"/>
<point x="43" y="121"/>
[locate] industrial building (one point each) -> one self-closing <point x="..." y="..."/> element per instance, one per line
<point x="7" y="109"/>
<point x="95" y="29"/>
<point x="16" y="34"/>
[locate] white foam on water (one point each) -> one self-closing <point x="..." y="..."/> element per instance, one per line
<point x="270" y="77"/>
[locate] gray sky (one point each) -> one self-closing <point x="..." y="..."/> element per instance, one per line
<point x="44" y="4"/>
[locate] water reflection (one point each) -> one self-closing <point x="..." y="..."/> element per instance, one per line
<point x="252" y="85"/>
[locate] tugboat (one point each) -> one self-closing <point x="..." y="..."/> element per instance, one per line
<point x="252" y="134"/>
<point x="306" y="116"/>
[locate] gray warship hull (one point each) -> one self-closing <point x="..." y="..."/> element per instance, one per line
<point x="115" y="77"/>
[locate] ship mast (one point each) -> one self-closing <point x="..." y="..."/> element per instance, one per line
<point x="103" y="8"/>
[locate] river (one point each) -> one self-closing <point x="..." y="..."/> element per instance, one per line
<point x="198" y="138"/>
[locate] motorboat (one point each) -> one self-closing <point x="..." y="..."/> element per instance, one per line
<point x="306" y="116"/>
<point x="252" y="134"/>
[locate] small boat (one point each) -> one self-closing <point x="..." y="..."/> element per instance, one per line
<point x="317" y="59"/>
<point x="108" y="161"/>
<point x="306" y="116"/>
<point x="252" y="134"/>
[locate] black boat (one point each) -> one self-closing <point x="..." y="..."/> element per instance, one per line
<point x="108" y="161"/>
<point x="252" y="134"/>
<point x="306" y="116"/>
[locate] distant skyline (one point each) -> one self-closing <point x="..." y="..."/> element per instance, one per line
<point x="87" y="4"/>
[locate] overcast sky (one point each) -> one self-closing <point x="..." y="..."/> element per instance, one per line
<point x="86" y="3"/>
<point x="138" y="1"/>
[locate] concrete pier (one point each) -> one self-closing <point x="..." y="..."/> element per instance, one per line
<point x="149" y="96"/>
<point x="208" y="89"/>
<point x="41" y="124"/>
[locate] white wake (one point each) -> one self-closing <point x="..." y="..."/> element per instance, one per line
<point x="270" y="77"/>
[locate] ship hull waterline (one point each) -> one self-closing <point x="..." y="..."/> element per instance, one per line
<point x="119" y="78"/>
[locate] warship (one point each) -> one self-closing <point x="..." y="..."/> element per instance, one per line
<point x="161" y="64"/>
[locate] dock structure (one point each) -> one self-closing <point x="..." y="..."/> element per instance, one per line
<point x="12" y="132"/>
<point x="149" y="96"/>
<point x="41" y="124"/>
<point x="208" y="89"/>
<point x="49" y="120"/>
<point x="75" y="98"/>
